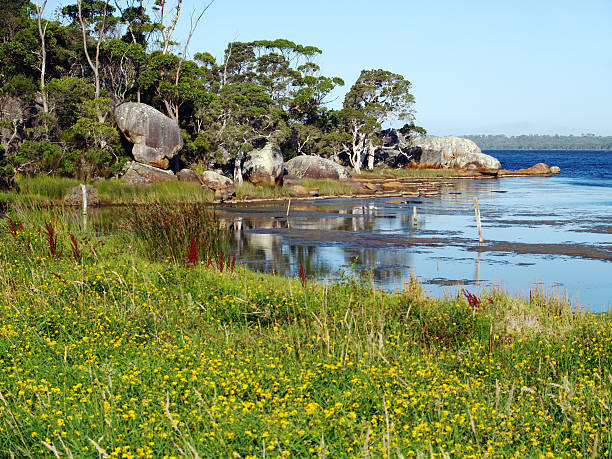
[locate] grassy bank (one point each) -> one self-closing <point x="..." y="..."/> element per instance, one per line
<point x="413" y="173"/>
<point x="52" y="189"/>
<point x="113" y="350"/>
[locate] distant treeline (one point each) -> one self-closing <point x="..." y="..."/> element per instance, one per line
<point x="542" y="142"/>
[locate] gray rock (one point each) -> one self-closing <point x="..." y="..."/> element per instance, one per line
<point x="305" y="166"/>
<point x="142" y="174"/>
<point x="396" y="150"/>
<point x="223" y="187"/>
<point x="264" y="165"/>
<point x="396" y="157"/>
<point x="156" y="137"/>
<point x="74" y="196"/>
<point x="187" y="175"/>
<point x="393" y="138"/>
<point x="454" y="152"/>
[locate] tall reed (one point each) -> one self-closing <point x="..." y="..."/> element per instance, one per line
<point x="169" y="231"/>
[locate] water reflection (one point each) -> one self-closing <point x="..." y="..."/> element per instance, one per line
<point x="377" y="235"/>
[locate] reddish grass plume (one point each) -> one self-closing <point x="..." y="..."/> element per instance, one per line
<point x="74" y="245"/>
<point x="52" y="239"/>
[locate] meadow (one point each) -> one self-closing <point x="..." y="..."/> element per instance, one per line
<point x="140" y="337"/>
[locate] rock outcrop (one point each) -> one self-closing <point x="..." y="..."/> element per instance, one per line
<point x="142" y="174"/>
<point x="396" y="151"/>
<point x="454" y="152"/>
<point x="315" y="167"/>
<point x="223" y="187"/>
<point x="74" y="196"/>
<point x="264" y="166"/>
<point x="156" y="137"/>
<point x="187" y="175"/>
<point x="537" y="169"/>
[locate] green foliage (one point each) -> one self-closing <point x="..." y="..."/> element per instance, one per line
<point x="380" y="94"/>
<point x="412" y="131"/>
<point x="41" y="156"/>
<point x="7" y="172"/>
<point x="376" y="96"/>
<point x="272" y="90"/>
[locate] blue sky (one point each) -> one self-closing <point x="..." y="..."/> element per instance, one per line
<point x="511" y="67"/>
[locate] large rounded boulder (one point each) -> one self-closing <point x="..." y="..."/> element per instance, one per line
<point x="156" y="138"/>
<point x="264" y="166"/>
<point x="223" y="187"/>
<point x="454" y="152"/>
<point x="142" y="174"/>
<point x="305" y="166"/>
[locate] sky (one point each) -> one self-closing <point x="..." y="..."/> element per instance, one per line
<point x="476" y="67"/>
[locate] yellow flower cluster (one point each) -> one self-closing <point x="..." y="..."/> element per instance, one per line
<point x="128" y="359"/>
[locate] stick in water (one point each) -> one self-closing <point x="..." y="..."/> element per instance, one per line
<point x="414" y="216"/>
<point x="477" y="212"/>
<point x="84" y="191"/>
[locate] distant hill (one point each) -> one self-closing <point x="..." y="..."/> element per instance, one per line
<point x="542" y="142"/>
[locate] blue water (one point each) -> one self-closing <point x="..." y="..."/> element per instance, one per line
<point x="563" y="225"/>
<point x="582" y="165"/>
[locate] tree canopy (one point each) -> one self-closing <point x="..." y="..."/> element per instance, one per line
<point x="60" y="80"/>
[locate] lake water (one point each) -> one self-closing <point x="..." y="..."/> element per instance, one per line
<point x="553" y="234"/>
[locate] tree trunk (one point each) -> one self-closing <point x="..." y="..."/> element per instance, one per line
<point x="238" y="169"/>
<point x="95" y="67"/>
<point x="358" y="146"/>
<point x="42" y="31"/>
<point x="371" y="150"/>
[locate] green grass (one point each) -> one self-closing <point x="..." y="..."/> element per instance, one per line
<point x="260" y="191"/>
<point x="45" y="187"/>
<point x="178" y="192"/>
<point x="330" y="187"/>
<point x="416" y="173"/>
<point x="49" y="189"/>
<point x="42" y="188"/>
<point x="114" y="354"/>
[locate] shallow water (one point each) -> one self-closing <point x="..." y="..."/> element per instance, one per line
<point x="549" y="233"/>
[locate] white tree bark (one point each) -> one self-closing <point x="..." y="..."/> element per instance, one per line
<point x="371" y="150"/>
<point x="42" y="32"/>
<point x="95" y="64"/>
<point x="238" y="169"/>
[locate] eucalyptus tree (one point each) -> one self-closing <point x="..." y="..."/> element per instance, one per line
<point x="159" y="78"/>
<point x="42" y="33"/>
<point x="376" y="96"/>
<point x="242" y="113"/>
<point x="95" y="20"/>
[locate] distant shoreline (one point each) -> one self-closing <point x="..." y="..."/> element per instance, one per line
<point x="547" y="149"/>
<point x="586" y="142"/>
